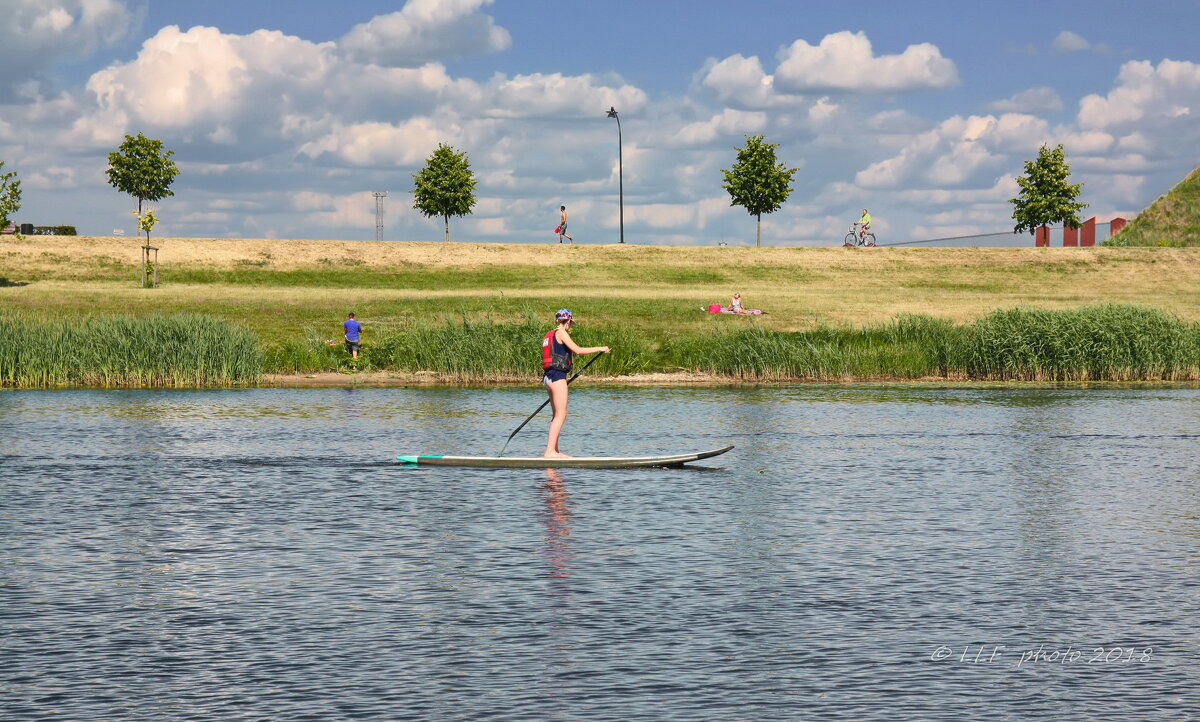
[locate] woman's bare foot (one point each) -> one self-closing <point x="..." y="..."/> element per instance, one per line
<point x="555" y="455"/>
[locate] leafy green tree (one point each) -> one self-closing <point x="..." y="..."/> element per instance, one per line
<point x="758" y="181"/>
<point x="1046" y="195"/>
<point x="10" y="195"/>
<point x="140" y="168"/>
<point x="445" y="186"/>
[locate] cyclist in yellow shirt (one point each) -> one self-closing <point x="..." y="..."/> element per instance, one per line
<point x="864" y="224"/>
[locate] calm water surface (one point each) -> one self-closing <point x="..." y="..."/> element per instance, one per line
<point x="864" y="553"/>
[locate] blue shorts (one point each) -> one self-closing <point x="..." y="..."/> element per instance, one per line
<point x="551" y="376"/>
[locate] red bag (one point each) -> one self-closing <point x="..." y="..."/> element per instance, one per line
<point x="714" y="308"/>
<point x="558" y="229"/>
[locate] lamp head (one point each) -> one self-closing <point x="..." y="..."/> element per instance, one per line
<point x="612" y="112"/>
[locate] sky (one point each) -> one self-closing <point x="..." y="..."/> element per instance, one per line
<point x="285" y="117"/>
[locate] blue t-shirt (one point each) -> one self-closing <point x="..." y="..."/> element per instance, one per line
<point x="353" y="328"/>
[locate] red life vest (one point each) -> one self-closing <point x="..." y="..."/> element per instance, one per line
<point x="556" y="359"/>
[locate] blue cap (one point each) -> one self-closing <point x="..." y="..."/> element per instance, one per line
<point x="562" y="313"/>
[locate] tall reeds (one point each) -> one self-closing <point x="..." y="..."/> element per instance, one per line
<point x="1116" y="343"/>
<point x="473" y="350"/>
<point x="1113" y="343"/>
<point x="184" y="350"/>
<point x="909" y="347"/>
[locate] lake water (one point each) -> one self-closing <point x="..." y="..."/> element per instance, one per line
<point x="865" y="553"/>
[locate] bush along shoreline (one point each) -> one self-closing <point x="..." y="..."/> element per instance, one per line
<point x="1093" y="343"/>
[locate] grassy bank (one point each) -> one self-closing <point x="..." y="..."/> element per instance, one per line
<point x="1172" y="220"/>
<point x="464" y="311"/>
<point x="179" y="351"/>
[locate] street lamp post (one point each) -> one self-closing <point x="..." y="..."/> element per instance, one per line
<point x="612" y="113"/>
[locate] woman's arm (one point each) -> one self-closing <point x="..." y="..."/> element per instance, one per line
<point x="565" y="339"/>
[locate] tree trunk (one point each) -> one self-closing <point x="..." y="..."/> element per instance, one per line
<point x="447" y="219"/>
<point x="758" y="230"/>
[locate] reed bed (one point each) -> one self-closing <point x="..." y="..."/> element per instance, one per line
<point x="1097" y="343"/>
<point x="910" y="347"/>
<point x="472" y="350"/>
<point x="1112" y="343"/>
<point x="184" y="350"/>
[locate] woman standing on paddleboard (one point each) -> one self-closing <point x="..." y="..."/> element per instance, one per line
<point x="557" y="352"/>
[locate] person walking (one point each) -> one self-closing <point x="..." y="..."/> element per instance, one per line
<point x="558" y="351"/>
<point x="562" y="225"/>
<point x="352" y="329"/>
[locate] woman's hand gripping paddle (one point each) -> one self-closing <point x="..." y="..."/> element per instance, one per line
<point x="547" y="401"/>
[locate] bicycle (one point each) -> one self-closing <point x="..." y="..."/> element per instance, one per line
<point x="854" y="239"/>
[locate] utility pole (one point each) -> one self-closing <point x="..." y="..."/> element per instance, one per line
<point x="379" y="196"/>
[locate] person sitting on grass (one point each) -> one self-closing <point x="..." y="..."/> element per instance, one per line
<point x="735" y="305"/>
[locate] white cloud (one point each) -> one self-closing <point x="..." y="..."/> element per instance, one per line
<point x="355" y="210"/>
<point x="739" y="81"/>
<point x="1069" y="42"/>
<point x="383" y="144"/>
<point x="424" y="31"/>
<point x="958" y="151"/>
<point x="556" y="95"/>
<point x="203" y="78"/>
<point x="38" y="34"/>
<point x="729" y="123"/>
<point x="1146" y="96"/>
<point x="897" y="121"/>
<point x="1033" y="100"/>
<point x="844" y="61"/>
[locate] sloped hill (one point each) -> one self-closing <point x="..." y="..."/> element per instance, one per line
<point x="1172" y="220"/>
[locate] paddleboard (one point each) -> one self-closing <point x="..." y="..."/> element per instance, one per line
<point x="537" y="462"/>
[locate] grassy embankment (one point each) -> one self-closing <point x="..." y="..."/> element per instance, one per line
<point x="468" y="311"/>
<point x="1173" y="220"/>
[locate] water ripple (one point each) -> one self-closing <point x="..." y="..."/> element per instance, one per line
<point x="866" y="553"/>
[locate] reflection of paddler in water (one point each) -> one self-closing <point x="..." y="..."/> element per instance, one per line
<point x="558" y="525"/>
<point x="558" y="351"/>
<point x="559" y="602"/>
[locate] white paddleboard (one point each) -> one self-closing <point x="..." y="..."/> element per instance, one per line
<point x="538" y="462"/>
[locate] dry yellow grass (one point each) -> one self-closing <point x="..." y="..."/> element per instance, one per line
<point x="642" y="286"/>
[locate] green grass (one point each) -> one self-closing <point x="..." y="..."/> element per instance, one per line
<point x="1172" y="220"/>
<point x="183" y="350"/>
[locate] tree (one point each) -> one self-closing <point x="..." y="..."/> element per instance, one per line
<point x="758" y="181"/>
<point x="146" y="223"/>
<point x="10" y="195"/>
<point x="140" y="168"/>
<point x="1046" y="197"/>
<point x="445" y="186"/>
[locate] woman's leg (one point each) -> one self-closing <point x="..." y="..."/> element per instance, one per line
<point x="558" y="405"/>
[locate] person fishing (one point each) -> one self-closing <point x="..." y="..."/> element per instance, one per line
<point x="558" y="351"/>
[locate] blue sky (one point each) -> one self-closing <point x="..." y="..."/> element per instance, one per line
<point x="283" y="123"/>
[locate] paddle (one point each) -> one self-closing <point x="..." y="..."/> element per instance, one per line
<point x="547" y="401"/>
